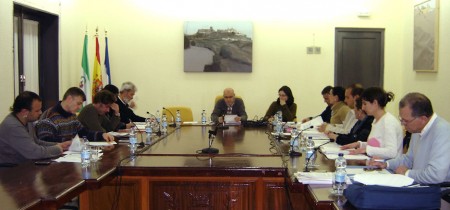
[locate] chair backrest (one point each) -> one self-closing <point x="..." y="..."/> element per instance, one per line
<point x="221" y="96"/>
<point x="186" y="113"/>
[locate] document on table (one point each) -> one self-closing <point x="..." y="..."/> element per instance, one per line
<point x="315" y="122"/>
<point x="229" y="119"/>
<point x="316" y="177"/>
<point x="390" y="180"/>
<point x="73" y="157"/>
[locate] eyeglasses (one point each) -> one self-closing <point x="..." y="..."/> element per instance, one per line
<point x="405" y="122"/>
<point x="228" y="96"/>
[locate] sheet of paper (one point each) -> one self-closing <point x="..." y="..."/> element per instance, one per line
<point x="118" y="134"/>
<point x="76" y="144"/>
<point x="229" y="119"/>
<point x="101" y="143"/>
<point x="390" y="180"/>
<point x="315" y="122"/>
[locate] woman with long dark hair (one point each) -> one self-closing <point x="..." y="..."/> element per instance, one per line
<point x="285" y="104"/>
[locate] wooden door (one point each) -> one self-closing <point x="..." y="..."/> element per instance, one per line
<point x="359" y="56"/>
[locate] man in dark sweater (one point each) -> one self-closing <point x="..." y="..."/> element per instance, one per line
<point x="60" y="123"/>
<point x="93" y="116"/>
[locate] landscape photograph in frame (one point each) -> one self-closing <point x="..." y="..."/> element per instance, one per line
<point x="218" y="46"/>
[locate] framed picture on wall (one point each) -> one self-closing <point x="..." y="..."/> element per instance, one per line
<point x="220" y="46"/>
<point x="426" y="36"/>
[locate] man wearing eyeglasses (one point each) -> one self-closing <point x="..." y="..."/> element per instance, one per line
<point x="229" y="105"/>
<point x="428" y="158"/>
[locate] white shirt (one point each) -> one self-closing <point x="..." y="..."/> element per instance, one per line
<point x="347" y="125"/>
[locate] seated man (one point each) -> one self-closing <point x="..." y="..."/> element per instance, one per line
<point x="114" y="109"/>
<point x="326" y="114"/>
<point x="352" y="93"/>
<point x="60" y="123"/>
<point x="93" y="116"/>
<point x="229" y="105"/>
<point x="339" y="109"/>
<point x="359" y="132"/>
<point x="126" y="94"/>
<point x="18" y="141"/>
<point x="427" y="159"/>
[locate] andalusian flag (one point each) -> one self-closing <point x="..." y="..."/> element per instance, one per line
<point x="106" y="64"/>
<point x="85" y="82"/>
<point x="97" y="84"/>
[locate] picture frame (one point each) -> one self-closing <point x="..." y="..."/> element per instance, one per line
<point x="426" y="36"/>
<point x="218" y="46"/>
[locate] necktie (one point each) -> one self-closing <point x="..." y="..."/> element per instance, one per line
<point x="229" y="109"/>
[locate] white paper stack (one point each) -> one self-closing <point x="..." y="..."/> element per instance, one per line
<point x="390" y="180"/>
<point x="316" y="177"/>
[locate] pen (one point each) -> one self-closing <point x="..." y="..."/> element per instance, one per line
<point x="379" y="160"/>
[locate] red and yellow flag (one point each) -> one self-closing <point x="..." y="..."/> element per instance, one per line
<point x="97" y="83"/>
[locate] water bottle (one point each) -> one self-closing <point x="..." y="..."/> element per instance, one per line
<point x="148" y="131"/>
<point x="133" y="138"/>
<point x="275" y="120"/>
<point x="133" y="141"/>
<point x="158" y="116"/>
<point x="164" y="124"/>
<point x="339" y="178"/>
<point x="294" y="139"/>
<point x="310" y="154"/>
<point x="85" y="153"/>
<point x="178" y="119"/>
<point x="280" y="116"/>
<point x="303" y="142"/>
<point x="279" y="128"/>
<point x="204" y="117"/>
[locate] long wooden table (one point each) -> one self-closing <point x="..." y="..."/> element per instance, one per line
<point x="251" y="171"/>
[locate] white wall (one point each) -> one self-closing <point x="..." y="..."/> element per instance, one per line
<point x="146" y="39"/>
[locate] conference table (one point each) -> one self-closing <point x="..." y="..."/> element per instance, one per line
<point x="251" y="171"/>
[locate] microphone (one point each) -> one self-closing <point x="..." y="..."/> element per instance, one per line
<point x="209" y="149"/>
<point x="313" y="155"/>
<point x="173" y="124"/>
<point x="292" y="152"/>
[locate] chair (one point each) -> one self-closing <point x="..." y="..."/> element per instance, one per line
<point x="221" y="96"/>
<point x="186" y="113"/>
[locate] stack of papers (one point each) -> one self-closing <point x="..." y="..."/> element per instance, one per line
<point x="332" y="150"/>
<point x="390" y="180"/>
<point x="316" y="177"/>
<point x="73" y="157"/>
<point x="315" y="122"/>
<point x="119" y="134"/>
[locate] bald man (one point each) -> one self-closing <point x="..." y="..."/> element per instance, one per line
<point x="229" y="105"/>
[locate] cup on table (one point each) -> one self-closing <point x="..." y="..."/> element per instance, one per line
<point x="95" y="153"/>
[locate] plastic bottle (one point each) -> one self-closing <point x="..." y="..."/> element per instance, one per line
<point x="178" y="119"/>
<point x="85" y="153"/>
<point x="158" y="116"/>
<point x="294" y="139"/>
<point x="133" y="141"/>
<point x="204" y="117"/>
<point x="310" y="154"/>
<point x="280" y="116"/>
<point x="339" y="177"/>
<point x="275" y="120"/>
<point x="164" y="124"/>
<point x="148" y="131"/>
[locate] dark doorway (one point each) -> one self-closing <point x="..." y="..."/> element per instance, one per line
<point x="48" y="58"/>
<point x="359" y="56"/>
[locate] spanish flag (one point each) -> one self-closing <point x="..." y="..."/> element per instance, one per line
<point x="97" y="83"/>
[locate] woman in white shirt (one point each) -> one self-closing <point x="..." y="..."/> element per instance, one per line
<point x="385" y="138"/>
